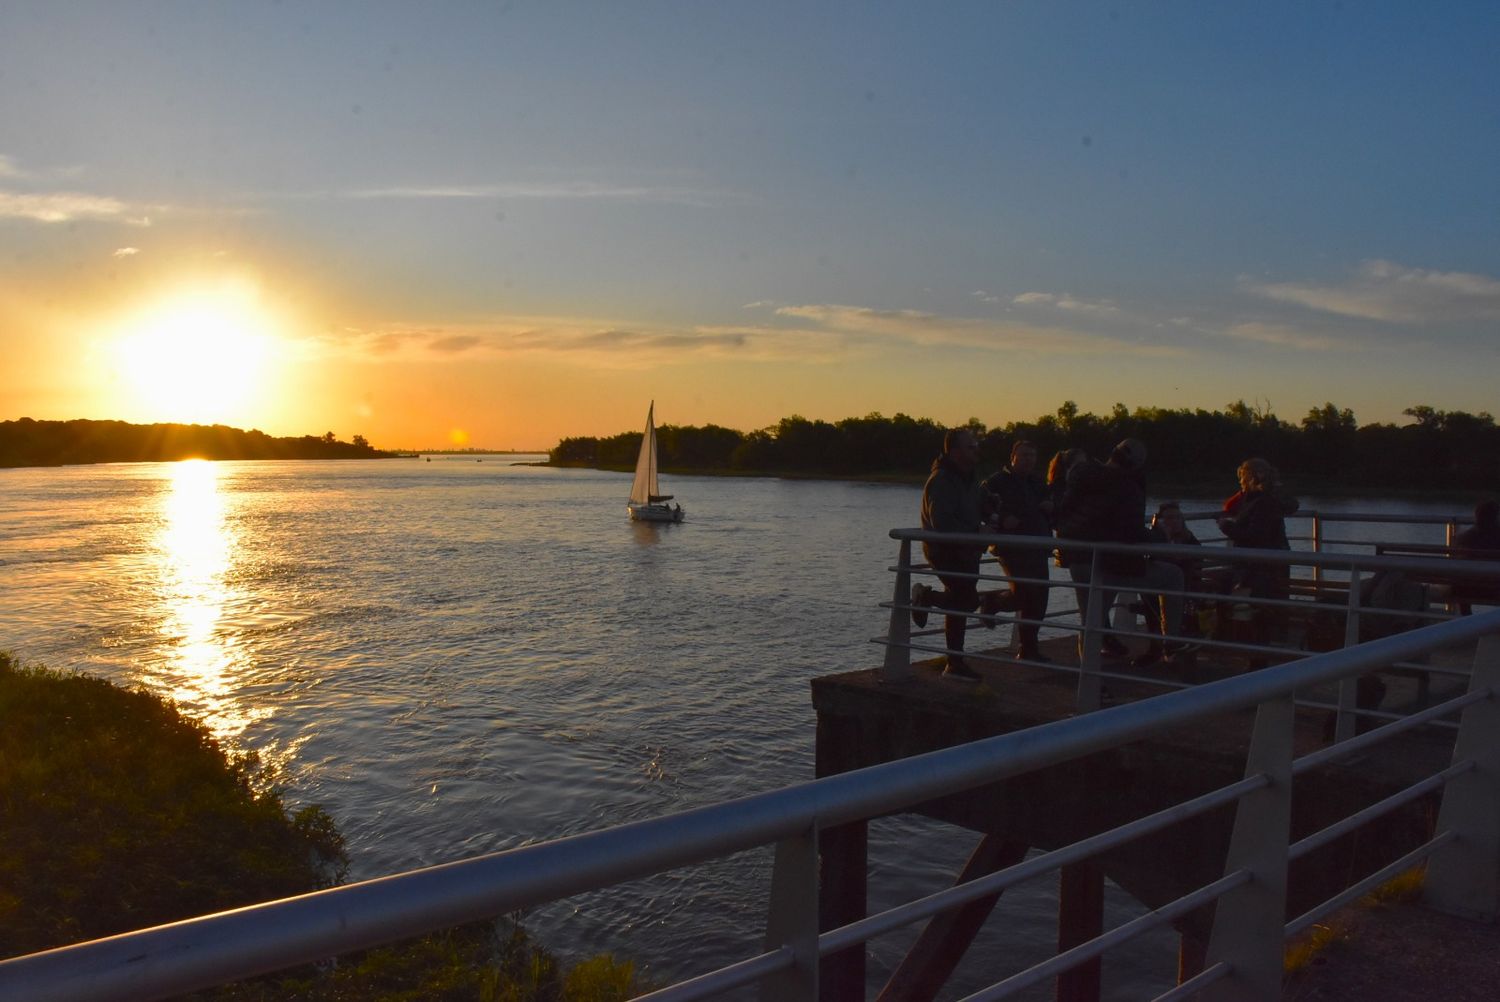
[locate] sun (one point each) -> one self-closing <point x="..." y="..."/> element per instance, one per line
<point x="199" y="355"/>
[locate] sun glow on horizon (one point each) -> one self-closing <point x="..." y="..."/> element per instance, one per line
<point x="198" y="355"/>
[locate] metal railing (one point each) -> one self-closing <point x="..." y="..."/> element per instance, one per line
<point x="1245" y="950"/>
<point x="1324" y="592"/>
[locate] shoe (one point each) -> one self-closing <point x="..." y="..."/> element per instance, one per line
<point x="1112" y="648"/>
<point x="992" y="602"/>
<point x="1148" y="657"/>
<point x="921" y="596"/>
<point x="1035" y="657"/>
<point x="960" y="671"/>
<point x="1176" y="647"/>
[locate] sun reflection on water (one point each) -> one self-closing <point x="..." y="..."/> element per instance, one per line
<point x="197" y="545"/>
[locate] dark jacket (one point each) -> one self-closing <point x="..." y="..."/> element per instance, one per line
<point x="1104" y="503"/>
<point x="1255" y="519"/>
<point x="1019" y="495"/>
<point x="952" y="502"/>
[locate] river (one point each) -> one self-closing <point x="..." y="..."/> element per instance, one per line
<point x="463" y="655"/>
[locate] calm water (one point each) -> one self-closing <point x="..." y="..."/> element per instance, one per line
<point x="457" y="657"/>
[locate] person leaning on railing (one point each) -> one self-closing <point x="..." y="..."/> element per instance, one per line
<point x="952" y="501"/>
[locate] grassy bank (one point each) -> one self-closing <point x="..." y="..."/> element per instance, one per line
<point x="119" y="813"/>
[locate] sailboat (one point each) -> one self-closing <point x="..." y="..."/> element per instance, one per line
<point x="647" y="503"/>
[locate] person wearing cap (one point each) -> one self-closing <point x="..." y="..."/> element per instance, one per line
<point x="1106" y="503"/>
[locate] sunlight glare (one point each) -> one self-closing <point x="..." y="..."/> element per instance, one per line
<point x="197" y="545"/>
<point x="199" y="355"/>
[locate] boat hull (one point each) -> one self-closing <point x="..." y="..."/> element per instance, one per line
<point x="654" y="513"/>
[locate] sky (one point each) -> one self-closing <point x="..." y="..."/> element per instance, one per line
<point x="496" y="225"/>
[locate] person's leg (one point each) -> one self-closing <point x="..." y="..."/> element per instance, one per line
<point x="1163" y="578"/>
<point x="959" y="595"/>
<point x="1031" y="598"/>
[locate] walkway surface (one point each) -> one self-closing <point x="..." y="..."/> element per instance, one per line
<point x="1399" y="952"/>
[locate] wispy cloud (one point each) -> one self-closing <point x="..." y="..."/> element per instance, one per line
<point x="586" y="342"/>
<point x="551" y="191"/>
<point x="23" y="198"/>
<point x="126" y="251"/>
<point x="1393" y="293"/>
<point x="1285" y="336"/>
<point x="931" y="329"/>
<point x="65" y="207"/>
<point x="1066" y="302"/>
<point x="985" y="297"/>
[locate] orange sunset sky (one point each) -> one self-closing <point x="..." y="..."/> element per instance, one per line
<point x="486" y="226"/>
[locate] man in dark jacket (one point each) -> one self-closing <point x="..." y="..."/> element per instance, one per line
<point x="1023" y="507"/>
<point x="1106" y="503"/>
<point x="952" y="502"/>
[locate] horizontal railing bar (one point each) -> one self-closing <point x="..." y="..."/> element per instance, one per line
<point x="1357" y="711"/>
<point x="1443" y="568"/>
<point x="1381" y="807"/>
<point x="1333" y="753"/>
<point x="1374" y="880"/>
<point x="724" y="979"/>
<point x="1192" y="986"/>
<point x="1085" y="952"/>
<point x="1002" y="880"/>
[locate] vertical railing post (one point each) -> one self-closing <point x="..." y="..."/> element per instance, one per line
<point x="1349" y="687"/>
<point x="1462" y="877"/>
<point x="1317" y="545"/>
<point x="897" y="664"/>
<point x="793" y="919"/>
<point x="1090" y="689"/>
<point x="1450" y="530"/>
<point x="1250" y="921"/>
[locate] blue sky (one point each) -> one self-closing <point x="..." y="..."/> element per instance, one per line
<point x="507" y="223"/>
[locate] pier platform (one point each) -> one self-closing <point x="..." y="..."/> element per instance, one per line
<point x="864" y="721"/>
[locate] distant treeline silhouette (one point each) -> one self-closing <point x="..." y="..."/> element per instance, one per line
<point x="1436" y="450"/>
<point x="25" y="442"/>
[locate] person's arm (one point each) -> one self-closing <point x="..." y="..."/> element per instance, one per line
<point x="945" y="505"/>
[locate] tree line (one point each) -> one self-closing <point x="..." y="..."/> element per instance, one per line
<point x="1434" y="449"/>
<point x="26" y="442"/>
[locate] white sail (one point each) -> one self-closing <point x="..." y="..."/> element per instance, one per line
<point x="646" y="503"/>
<point x="643" y="489"/>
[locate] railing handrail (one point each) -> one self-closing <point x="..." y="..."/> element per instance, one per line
<point x="214" y="949"/>
<point x="1466" y="518"/>
<point x="1447" y="567"/>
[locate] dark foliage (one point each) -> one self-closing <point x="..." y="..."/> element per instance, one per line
<point x="1438" y="449"/>
<point x="119" y="813"/>
<point x="25" y="442"/>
